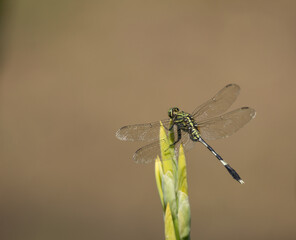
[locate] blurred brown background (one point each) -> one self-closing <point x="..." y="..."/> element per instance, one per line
<point x="73" y="72"/>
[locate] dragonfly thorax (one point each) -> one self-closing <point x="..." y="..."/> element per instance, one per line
<point x="184" y="121"/>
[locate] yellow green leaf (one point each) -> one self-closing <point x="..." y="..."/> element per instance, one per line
<point x="169" y="225"/>
<point x="169" y="194"/>
<point x="182" y="172"/>
<point x="167" y="151"/>
<point x="158" y="178"/>
<point x="184" y="217"/>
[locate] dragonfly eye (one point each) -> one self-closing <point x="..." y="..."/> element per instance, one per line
<point x="172" y="112"/>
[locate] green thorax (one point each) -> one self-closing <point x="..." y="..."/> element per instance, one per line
<point x="185" y="121"/>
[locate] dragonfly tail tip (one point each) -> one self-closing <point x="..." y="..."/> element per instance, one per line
<point x="241" y="181"/>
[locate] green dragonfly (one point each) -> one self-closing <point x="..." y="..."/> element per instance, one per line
<point x="204" y="123"/>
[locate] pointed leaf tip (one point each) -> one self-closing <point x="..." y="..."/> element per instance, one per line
<point x="169" y="224"/>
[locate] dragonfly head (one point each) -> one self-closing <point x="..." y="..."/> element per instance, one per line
<point x="173" y="111"/>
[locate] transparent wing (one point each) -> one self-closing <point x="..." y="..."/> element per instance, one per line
<point x="141" y="132"/>
<point x="225" y="125"/>
<point x="218" y="104"/>
<point x="149" y="152"/>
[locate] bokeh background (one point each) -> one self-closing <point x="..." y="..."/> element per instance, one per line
<point x="73" y="72"/>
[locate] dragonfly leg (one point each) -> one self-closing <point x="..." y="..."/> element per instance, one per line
<point x="171" y="127"/>
<point x="179" y="136"/>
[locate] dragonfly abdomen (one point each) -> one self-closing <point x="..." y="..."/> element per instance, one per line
<point x="195" y="135"/>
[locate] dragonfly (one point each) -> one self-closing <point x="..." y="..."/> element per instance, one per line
<point x="207" y="122"/>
